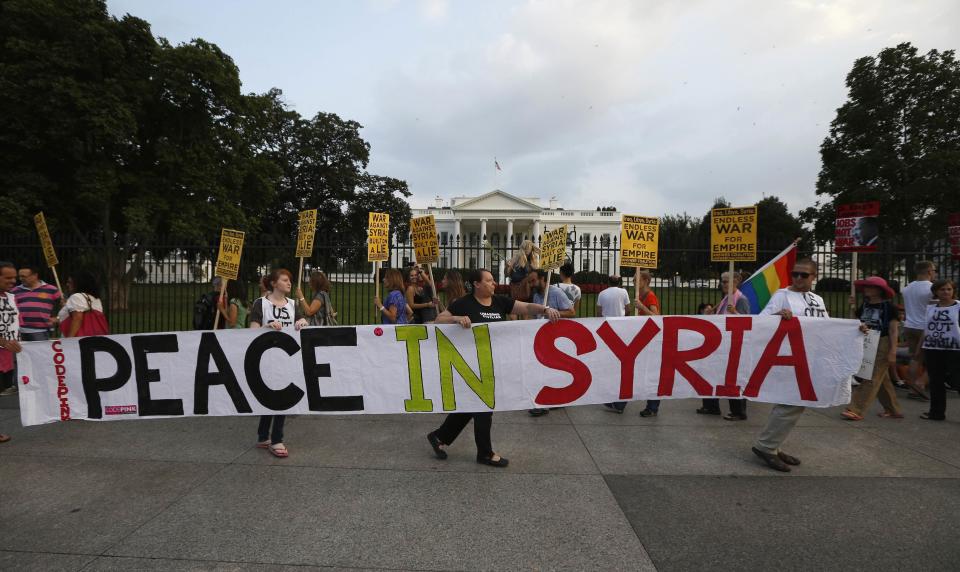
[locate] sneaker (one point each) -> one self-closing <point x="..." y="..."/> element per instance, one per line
<point x="610" y="407"/>
<point x="538" y="412"/>
<point x="12" y="390"/>
<point x="648" y="413"/>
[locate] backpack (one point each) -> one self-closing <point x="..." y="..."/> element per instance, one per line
<point x="205" y="311"/>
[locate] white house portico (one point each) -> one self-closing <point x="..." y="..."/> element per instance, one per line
<point x="503" y="221"/>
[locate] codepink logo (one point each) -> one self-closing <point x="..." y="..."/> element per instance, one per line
<point x="120" y="409"/>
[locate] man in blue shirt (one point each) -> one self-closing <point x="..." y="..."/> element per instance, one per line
<point x="556" y="299"/>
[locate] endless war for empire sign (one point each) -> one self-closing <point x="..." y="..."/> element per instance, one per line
<point x="231" y="250"/>
<point x="429" y="368"/>
<point x="639" y="241"/>
<point x="733" y="234"/>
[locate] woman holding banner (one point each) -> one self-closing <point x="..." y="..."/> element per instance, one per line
<point x="394" y="310"/>
<point x="275" y="311"/>
<point x="482" y="306"/>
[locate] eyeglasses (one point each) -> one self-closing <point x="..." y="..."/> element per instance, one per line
<point x="800" y="274"/>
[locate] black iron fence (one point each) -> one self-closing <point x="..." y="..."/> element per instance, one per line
<point x="154" y="287"/>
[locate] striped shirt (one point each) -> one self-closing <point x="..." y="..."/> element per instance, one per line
<point x="36" y="306"/>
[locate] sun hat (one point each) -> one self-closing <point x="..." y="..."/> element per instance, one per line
<point x="876" y="282"/>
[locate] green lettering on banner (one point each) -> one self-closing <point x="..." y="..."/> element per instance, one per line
<point x="413" y="335"/>
<point x="483" y="385"/>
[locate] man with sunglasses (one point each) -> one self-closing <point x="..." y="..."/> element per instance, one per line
<point x="795" y="300"/>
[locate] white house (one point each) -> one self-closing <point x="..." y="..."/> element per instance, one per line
<point x="502" y="221"/>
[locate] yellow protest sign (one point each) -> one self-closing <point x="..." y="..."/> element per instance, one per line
<point x="426" y="247"/>
<point x="378" y="234"/>
<point x="553" y="248"/>
<point x="48" y="252"/>
<point x="733" y="234"/>
<point x="639" y="241"/>
<point x="307" y="230"/>
<point x="231" y="247"/>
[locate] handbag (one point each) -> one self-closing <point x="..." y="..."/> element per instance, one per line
<point x="94" y="322"/>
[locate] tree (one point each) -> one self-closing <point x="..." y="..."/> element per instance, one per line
<point x="895" y="140"/>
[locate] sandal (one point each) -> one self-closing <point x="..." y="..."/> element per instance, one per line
<point x="4" y="438"/>
<point x="851" y="416"/>
<point x="279" y="450"/>
<point x="263" y="444"/>
<point x="890" y="415"/>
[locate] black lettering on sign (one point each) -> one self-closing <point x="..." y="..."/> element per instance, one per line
<point x="312" y="338"/>
<point x="275" y="399"/>
<point x="204" y="378"/>
<point x="143" y="345"/>
<point x="93" y="385"/>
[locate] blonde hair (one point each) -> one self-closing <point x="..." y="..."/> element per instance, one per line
<point x="527" y="255"/>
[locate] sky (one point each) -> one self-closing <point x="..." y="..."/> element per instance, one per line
<point x="653" y="107"/>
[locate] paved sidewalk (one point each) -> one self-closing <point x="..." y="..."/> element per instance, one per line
<point x="586" y="490"/>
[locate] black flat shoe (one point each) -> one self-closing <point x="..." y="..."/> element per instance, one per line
<point x="707" y="411"/>
<point x="648" y="413"/>
<point x="488" y="460"/>
<point x="735" y="417"/>
<point x="435" y="443"/>
<point x="929" y="417"/>
<point x="538" y="412"/>
<point x="612" y="409"/>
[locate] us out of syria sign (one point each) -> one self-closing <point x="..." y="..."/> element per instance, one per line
<point x="428" y="368"/>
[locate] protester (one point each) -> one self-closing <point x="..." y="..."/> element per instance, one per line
<point x="319" y="312"/>
<point x="36" y="301"/>
<point x="452" y="286"/>
<point x="420" y="296"/>
<point x="704" y="309"/>
<point x="394" y="310"/>
<point x="737" y="304"/>
<point x="82" y="315"/>
<point x="647" y="304"/>
<point x="614" y="302"/>
<point x="916" y="299"/>
<point x="205" y="308"/>
<point x="233" y="309"/>
<point x="795" y="300"/>
<point x="482" y="306"/>
<point x="523" y="262"/>
<point x="941" y="347"/>
<point x="569" y="288"/>
<point x="878" y="313"/>
<point x="276" y="311"/>
<point x="556" y="299"/>
<point x="9" y="332"/>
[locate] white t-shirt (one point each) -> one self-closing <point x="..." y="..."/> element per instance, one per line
<point x="942" y="331"/>
<point x="613" y="302"/>
<point x="571" y="290"/>
<point x="805" y="304"/>
<point x="916" y="298"/>
<point x="79" y="303"/>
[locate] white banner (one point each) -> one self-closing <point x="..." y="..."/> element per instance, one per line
<point x="395" y="369"/>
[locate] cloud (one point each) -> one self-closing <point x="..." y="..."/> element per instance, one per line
<point x="433" y="10"/>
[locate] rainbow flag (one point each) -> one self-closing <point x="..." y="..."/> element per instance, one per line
<point x="771" y="277"/>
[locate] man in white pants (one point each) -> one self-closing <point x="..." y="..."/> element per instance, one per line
<point x="795" y="300"/>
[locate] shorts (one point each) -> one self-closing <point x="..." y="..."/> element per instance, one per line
<point x="913" y="338"/>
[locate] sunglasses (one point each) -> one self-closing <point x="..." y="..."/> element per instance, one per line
<point x="800" y="274"/>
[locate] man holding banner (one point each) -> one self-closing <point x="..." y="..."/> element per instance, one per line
<point x="9" y="331"/>
<point x="482" y="306"/>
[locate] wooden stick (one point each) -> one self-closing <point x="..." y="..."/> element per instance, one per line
<point x="223" y="292"/>
<point x="376" y="280"/>
<point x="731" y="287"/>
<point x="636" y="291"/>
<point x="299" y="275"/>
<point x="56" y="278"/>
<point x="546" y="291"/>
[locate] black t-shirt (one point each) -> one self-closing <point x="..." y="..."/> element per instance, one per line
<point x="468" y="306"/>
<point x="878" y="316"/>
<point x="424" y="315"/>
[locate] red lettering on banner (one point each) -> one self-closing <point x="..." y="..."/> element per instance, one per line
<point x="545" y="349"/>
<point x="627" y="354"/>
<point x="736" y="326"/>
<point x="61" y="371"/>
<point x="674" y="361"/>
<point x="797" y="359"/>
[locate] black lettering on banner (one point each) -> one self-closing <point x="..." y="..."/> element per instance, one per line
<point x="92" y="385"/>
<point x="275" y="399"/>
<point x="204" y="378"/>
<point x="310" y="339"/>
<point x="142" y="346"/>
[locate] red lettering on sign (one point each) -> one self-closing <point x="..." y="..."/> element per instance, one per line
<point x="797" y="359"/>
<point x="545" y="349"/>
<point x="736" y="326"/>
<point x="627" y="354"/>
<point x="674" y="361"/>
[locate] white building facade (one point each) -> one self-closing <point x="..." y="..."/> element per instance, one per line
<point x="472" y="229"/>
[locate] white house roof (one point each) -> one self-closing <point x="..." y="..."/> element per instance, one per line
<point x="497" y="201"/>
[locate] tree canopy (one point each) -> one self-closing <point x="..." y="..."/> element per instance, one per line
<point x="896" y="140"/>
